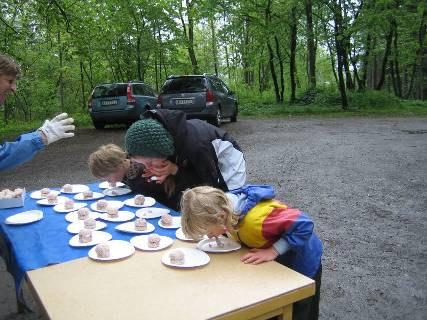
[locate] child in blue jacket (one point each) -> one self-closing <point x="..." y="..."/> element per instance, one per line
<point x="270" y="228"/>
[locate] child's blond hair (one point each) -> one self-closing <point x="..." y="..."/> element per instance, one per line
<point x="204" y="206"/>
<point x="106" y="160"/>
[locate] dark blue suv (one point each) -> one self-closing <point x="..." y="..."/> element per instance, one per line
<point x="200" y="96"/>
<point x="121" y="103"/>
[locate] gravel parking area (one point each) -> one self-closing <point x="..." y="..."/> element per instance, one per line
<point x="363" y="181"/>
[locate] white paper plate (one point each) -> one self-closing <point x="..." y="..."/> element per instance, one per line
<point x="73" y="216"/>
<point x="97" y="237"/>
<point x="75" y="227"/>
<point x="96" y="195"/>
<point x="44" y="202"/>
<point x="210" y="245"/>
<point x="141" y="243"/>
<point x="147" y="203"/>
<point x="118" y="249"/>
<point x="115" y="192"/>
<point x="114" y="203"/>
<point x="25" y="217"/>
<point x="193" y="258"/>
<point x="176" y="223"/>
<point x="77" y="188"/>
<point x="122" y="217"/>
<point x="77" y="205"/>
<point x="148" y="213"/>
<point x="181" y="236"/>
<point x="106" y="185"/>
<point x="37" y="194"/>
<point x="130" y="227"/>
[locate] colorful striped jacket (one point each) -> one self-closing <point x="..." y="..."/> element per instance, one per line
<point x="266" y="222"/>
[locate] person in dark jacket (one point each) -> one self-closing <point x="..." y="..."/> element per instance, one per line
<point x="179" y="153"/>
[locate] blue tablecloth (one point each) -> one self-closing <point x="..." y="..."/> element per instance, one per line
<point x="35" y="245"/>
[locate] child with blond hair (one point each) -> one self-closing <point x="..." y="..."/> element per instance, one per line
<point x="111" y="163"/>
<point x="269" y="227"/>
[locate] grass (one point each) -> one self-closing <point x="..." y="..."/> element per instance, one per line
<point x="320" y="103"/>
<point x="327" y="103"/>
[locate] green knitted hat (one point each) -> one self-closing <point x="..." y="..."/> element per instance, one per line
<point x="148" y="138"/>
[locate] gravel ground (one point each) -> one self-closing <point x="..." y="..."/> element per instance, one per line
<point x="363" y="181"/>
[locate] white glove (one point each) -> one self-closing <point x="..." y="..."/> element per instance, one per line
<point x="58" y="128"/>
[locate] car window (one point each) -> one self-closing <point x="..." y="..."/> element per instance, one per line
<point x="137" y="89"/>
<point x="224" y="86"/>
<point x="148" y="91"/>
<point x="218" y="85"/>
<point x="184" y="84"/>
<point x="110" y="90"/>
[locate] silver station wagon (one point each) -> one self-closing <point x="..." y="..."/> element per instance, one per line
<point x="204" y="97"/>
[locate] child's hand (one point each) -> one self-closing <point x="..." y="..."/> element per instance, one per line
<point x="257" y="256"/>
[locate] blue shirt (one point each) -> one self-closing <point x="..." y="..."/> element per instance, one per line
<point x="21" y="150"/>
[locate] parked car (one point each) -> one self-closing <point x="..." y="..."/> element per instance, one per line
<point x="200" y="96"/>
<point x="112" y="103"/>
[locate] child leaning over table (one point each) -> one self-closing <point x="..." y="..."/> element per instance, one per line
<point x="270" y="228"/>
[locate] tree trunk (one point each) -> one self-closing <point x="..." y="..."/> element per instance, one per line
<point x="190" y="37"/>
<point x="138" y="57"/>
<point x="82" y="82"/>
<point x="273" y="72"/>
<point x="281" y="69"/>
<point x="247" y="72"/>
<point x="393" y="77"/>
<point x="365" y="63"/>
<point x="345" y="42"/>
<point x="311" y="47"/>
<point x="331" y="55"/>
<point x="227" y="57"/>
<point x="355" y="71"/>
<point x="340" y="54"/>
<point x="214" y="44"/>
<point x="191" y="48"/>
<point x="418" y="57"/>
<point x="389" y="39"/>
<point x="156" y="59"/>
<point x="292" y="60"/>
<point x="90" y="71"/>
<point x="61" y="72"/>
<point x="396" y="63"/>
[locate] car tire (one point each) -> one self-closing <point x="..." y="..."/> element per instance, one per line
<point x="98" y="125"/>
<point x="233" y="118"/>
<point x="216" y="121"/>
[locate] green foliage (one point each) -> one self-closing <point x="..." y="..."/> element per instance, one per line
<point x="373" y="99"/>
<point x="65" y="48"/>
<point x="321" y="96"/>
<point x="326" y="102"/>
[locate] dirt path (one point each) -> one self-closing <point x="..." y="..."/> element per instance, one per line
<point x="363" y="181"/>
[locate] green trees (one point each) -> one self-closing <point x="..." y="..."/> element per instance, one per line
<point x="278" y="47"/>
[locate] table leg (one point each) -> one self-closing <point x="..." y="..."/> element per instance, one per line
<point x="286" y="313"/>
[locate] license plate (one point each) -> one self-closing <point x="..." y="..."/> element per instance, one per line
<point x="184" y="101"/>
<point x="109" y="102"/>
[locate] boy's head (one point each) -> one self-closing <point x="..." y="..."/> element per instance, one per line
<point x="148" y="138"/>
<point x="108" y="161"/>
<point x="205" y="211"/>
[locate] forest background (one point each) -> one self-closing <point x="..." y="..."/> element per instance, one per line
<point x="280" y="57"/>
